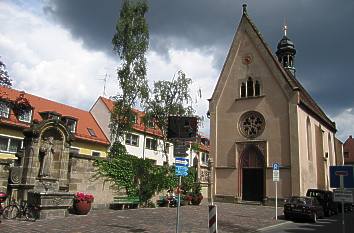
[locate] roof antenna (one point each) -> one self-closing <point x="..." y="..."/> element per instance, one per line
<point x="105" y="83"/>
<point x="285" y="27"/>
<point x="244" y="8"/>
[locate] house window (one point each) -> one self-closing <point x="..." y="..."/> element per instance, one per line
<point x="25" y="116"/>
<point x="71" y="124"/>
<point x="96" y="154"/>
<point x="204" y="158"/>
<point x="91" y="132"/>
<point x="4" y="110"/>
<point x="346" y="155"/>
<point x="151" y="144"/>
<point x="132" y="139"/>
<point x="167" y="148"/>
<point x="10" y="144"/>
<point x="74" y="151"/>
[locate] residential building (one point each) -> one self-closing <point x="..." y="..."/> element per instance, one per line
<point x="89" y="139"/>
<point x="145" y="141"/>
<point x="348" y="148"/>
<point x="261" y="115"/>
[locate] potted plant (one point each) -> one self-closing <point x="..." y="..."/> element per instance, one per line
<point x="82" y="203"/>
<point x="197" y="196"/>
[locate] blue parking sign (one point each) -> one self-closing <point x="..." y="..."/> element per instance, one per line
<point x="275" y="166"/>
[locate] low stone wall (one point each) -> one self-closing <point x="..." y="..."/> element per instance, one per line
<point x="4" y="173"/>
<point x="82" y="179"/>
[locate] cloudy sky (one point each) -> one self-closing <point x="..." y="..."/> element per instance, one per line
<point x="62" y="49"/>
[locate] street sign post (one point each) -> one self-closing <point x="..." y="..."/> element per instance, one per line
<point x="276" y="179"/>
<point x="181" y="170"/>
<point x="342" y="195"/>
<point x="347" y="172"/>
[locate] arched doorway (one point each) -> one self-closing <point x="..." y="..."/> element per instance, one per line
<point x="252" y="169"/>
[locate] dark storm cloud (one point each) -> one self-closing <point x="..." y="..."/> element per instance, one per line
<point x="321" y="30"/>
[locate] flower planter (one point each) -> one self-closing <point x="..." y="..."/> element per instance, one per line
<point x="82" y="207"/>
<point x="197" y="199"/>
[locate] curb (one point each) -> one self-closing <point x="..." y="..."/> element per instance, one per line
<point x="270" y="227"/>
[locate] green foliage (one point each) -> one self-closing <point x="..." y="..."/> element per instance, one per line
<point x="137" y="176"/>
<point x="4" y="76"/>
<point x="130" y="42"/>
<point x="169" y="98"/>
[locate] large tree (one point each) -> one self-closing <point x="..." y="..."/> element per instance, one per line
<point x="169" y="98"/>
<point x="4" y="76"/>
<point x="130" y="42"/>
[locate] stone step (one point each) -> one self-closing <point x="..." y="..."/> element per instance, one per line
<point x="250" y="202"/>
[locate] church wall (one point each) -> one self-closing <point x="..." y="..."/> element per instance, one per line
<point x="314" y="170"/>
<point x="272" y="104"/>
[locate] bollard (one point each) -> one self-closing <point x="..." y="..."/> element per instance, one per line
<point x="213" y="220"/>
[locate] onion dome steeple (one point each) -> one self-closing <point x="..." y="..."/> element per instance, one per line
<point x="286" y="52"/>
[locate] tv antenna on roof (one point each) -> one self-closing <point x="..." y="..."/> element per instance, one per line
<point x="106" y="76"/>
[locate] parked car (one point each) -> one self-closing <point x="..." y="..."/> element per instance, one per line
<point x="325" y="198"/>
<point x="297" y="207"/>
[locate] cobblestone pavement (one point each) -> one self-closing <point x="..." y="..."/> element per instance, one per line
<point x="231" y="218"/>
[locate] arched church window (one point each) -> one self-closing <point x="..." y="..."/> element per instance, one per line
<point x="251" y="124"/>
<point x="243" y="90"/>
<point x="257" y="89"/>
<point x="309" y="139"/>
<point x="250" y="87"/>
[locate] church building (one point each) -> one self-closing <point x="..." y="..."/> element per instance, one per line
<point x="260" y="114"/>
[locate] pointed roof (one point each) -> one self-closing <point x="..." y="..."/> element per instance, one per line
<point x="305" y="100"/>
<point x="85" y="120"/>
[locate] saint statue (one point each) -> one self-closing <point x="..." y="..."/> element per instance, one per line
<point x="46" y="152"/>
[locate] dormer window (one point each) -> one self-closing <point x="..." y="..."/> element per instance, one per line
<point x="4" y="109"/>
<point x="250" y="88"/>
<point x="70" y="123"/>
<point x="25" y="116"/>
<point x="91" y="132"/>
<point x="50" y="115"/>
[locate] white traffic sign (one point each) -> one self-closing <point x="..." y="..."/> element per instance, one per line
<point x="181" y="161"/>
<point x="345" y="196"/>
<point x="275" y="175"/>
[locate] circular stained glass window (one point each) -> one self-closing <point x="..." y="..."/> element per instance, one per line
<point x="251" y="124"/>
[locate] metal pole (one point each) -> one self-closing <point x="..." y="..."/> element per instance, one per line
<point x="276" y="200"/>
<point x="342" y="189"/>
<point x="178" y="205"/>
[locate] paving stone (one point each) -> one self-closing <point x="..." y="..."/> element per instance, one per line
<point x="193" y="219"/>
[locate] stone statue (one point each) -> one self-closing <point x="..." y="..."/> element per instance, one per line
<point x="46" y="152"/>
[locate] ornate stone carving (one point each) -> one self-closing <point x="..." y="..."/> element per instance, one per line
<point x="15" y="175"/>
<point x="251" y="124"/>
<point x="204" y="175"/>
<point x="46" y="152"/>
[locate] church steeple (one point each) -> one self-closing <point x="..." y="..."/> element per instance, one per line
<point x="286" y="52"/>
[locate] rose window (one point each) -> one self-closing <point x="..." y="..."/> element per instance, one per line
<point x="251" y="124"/>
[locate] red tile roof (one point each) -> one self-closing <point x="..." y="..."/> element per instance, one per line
<point x="85" y="119"/>
<point x="139" y="126"/>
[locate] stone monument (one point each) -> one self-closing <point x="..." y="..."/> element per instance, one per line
<point x="41" y="173"/>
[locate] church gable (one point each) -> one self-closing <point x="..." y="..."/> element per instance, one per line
<point x="249" y="50"/>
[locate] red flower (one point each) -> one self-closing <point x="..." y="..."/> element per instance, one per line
<point x="80" y="196"/>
